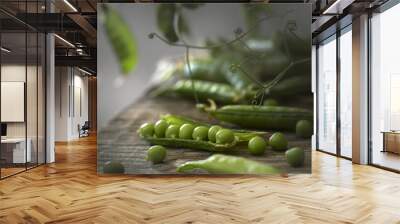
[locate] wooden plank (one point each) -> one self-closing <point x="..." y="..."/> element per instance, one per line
<point x="70" y="191"/>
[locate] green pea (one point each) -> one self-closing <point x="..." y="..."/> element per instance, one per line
<point x="172" y="131"/>
<point x="304" y="129"/>
<point x="212" y="132"/>
<point x="278" y="141"/>
<point x="257" y="145"/>
<point x="200" y="133"/>
<point x="186" y="131"/>
<point x="295" y="156"/>
<point x="146" y="130"/>
<point x="113" y="167"/>
<point x="224" y="136"/>
<point x="156" y="154"/>
<point x="160" y="127"/>
<point x="270" y="102"/>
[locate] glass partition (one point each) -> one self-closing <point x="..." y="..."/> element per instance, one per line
<point x="326" y="59"/>
<point x="14" y="153"/>
<point x="22" y="77"/>
<point x="346" y="92"/>
<point x="385" y="89"/>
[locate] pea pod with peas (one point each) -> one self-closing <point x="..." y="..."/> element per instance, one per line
<point x="219" y="92"/>
<point x="242" y="135"/>
<point x="187" y="136"/>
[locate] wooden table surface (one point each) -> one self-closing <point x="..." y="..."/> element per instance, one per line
<point x="119" y="141"/>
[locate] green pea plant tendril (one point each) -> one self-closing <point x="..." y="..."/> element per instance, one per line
<point x="262" y="88"/>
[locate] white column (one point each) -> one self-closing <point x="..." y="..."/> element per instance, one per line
<point x="314" y="91"/>
<point x="360" y="90"/>
<point x="50" y="93"/>
<point x="50" y="110"/>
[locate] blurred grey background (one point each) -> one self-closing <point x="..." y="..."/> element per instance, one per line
<point x="213" y="20"/>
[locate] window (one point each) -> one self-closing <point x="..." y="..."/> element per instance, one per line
<point x="346" y="92"/>
<point x="22" y="101"/>
<point x="327" y="95"/>
<point x="385" y="89"/>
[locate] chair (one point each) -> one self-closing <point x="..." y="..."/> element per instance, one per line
<point x="84" y="130"/>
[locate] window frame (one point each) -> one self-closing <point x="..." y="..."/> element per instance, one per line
<point x="339" y="32"/>
<point x="378" y="10"/>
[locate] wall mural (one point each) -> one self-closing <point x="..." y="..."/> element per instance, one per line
<point x="206" y="88"/>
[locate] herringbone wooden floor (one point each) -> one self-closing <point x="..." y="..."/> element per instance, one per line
<point x="69" y="191"/>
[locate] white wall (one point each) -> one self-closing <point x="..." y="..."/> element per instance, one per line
<point x="69" y="82"/>
<point x="61" y="103"/>
<point x="33" y="127"/>
<point x="12" y="73"/>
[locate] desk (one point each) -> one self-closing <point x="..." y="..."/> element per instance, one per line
<point x="391" y="141"/>
<point x="15" y="148"/>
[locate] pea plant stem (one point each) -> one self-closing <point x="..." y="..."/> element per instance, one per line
<point x="264" y="88"/>
<point x="224" y="44"/>
<point x="196" y="97"/>
<point x="187" y="54"/>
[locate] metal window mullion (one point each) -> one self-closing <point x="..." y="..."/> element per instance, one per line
<point x="26" y="87"/>
<point x="317" y="96"/>
<point x="369" y="100"/>
<point x="338" y="92"/>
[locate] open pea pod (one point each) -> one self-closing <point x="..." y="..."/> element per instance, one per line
<point x="225" y="164"/>
<point x="180" y="120"/>
<point x="192" y="144"/>
<point x="242" y="135"/>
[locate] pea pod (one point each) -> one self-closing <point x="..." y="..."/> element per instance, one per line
<point x="192" y="144"/>
<point x="121" y="38"/>
<point x="292" y="86"/>
<point x="219" y="92"/>
<point x="165" y="21"/>
<point x="206" y="69"/>
<point x="180" y="120"/>
<point x="210" y="69"/>
<point x="224" y="164"/>
<point x="260" y="117"/>
<point x="243" y="135"/>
